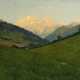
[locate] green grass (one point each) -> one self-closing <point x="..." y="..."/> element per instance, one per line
<point x="57" y="61"/>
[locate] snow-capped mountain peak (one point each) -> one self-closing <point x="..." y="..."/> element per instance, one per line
<point x="40" y="27"/>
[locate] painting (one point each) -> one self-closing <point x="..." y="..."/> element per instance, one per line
<point x="39" y="40"/>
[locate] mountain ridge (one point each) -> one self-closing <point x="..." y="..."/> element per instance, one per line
<point x="63" y="31"/>
<point x="10" y="31"/>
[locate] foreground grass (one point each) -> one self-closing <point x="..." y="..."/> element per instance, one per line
<point x="58" y="61"/>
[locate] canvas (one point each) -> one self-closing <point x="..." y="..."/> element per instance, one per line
<point x="39" y="40"/>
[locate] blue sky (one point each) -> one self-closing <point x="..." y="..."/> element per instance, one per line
<point x="58" y="10"/>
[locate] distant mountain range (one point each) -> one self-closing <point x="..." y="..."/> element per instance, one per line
<point x="16" y="36"/>
<point x="12" y="35"/>
<point x="63" y="32"/>
<point x="47" y="28"/>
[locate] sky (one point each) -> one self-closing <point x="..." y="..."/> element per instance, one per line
<point x="66" y="11"/>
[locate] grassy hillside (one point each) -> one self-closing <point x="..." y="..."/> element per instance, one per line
<point x="57" y="61"/>
<point x="18" y="37"/>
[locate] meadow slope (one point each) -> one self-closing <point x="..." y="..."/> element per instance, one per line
<point x="56" y="61"/>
